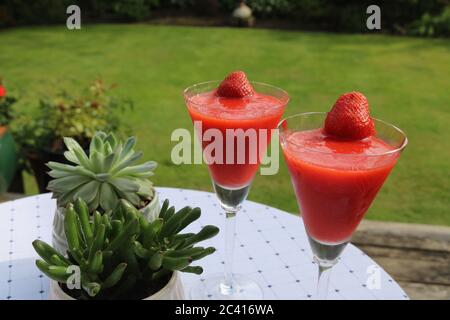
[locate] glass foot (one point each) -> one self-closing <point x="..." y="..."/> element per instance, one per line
<point x="213" y="288"/>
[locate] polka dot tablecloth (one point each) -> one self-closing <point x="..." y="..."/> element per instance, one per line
<point x="271" y="247"/>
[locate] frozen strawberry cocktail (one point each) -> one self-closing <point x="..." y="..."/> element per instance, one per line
<point x="234" y="120"/>
<point x="337" y="168"/>
<point x="235" y="105"/>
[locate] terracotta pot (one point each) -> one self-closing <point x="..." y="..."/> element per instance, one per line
<point x="150" y="211"/>
<point x="173" y="290"/>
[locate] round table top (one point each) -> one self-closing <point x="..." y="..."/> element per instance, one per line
<point x="271" y="247"/>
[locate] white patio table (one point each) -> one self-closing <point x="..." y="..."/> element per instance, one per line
<point x="271" y="247"/>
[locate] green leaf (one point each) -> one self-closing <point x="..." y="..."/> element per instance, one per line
<point x="203" y="253"/>
<point x="95" y="265"/>
<point x="145" y="188"/>
<point x="176" y="263"/>
<point x="193" y="269"/>
<point x="125" y="185"/>
<point x="67" y="183"/>
<point x="157" y="225"/>
<point x="96" y="144"/>
<point x="46" y="252"/>
<point x="97" y="161"/>
<point x="206" y="233"/>
<point x="140" y="251"/>
<point x="79" y="153"/>
<point x="188" y="218"/>
<point x="102" y="177"/>
<point x="127" y="148"/>
<point x="130" y="197"/>
<point x="109" y="161"/>
<point x="112" y="140"/>
<point x="71" y="157"/>
<point x="145" y="168"/>
<point x="99" y="240"/>
<point x="184" y="252"/>
<point x="59" y="174"/>
<point x="83" y="214"/>
<point x="155" y="262"/>
<point x="85" y="172"/>
<point x="107" y="149"/>
<point x="56" y="273"/>
<point x="61" y="167"/>
<point x="126" y="162"/>
<point x="115" y="276"/>
<point x="130" y="229"/>
<point x="108" y="197"/>
<point x="57" y="261"/>
<point x="71" y="228"/>
<point x="91" y="288"/>
<point x="88" y="191"/>
<point x="95" y="203"/>
<point x="164" y="207"/>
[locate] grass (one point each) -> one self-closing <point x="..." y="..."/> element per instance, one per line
<point x="405" y="79"/>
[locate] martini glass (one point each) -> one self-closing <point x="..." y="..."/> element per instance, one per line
<point x="335" y="181"/>
<point x="245" y="133"/>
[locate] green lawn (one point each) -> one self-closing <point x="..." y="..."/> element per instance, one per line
<point x="406" y="80"/>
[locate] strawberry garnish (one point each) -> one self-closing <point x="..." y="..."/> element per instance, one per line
<point x="235" y="85"/>
<point x="350" y="118"/>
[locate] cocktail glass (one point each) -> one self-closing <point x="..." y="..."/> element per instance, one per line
<point x="334" y="190"/>
<point x="232" y="178"/>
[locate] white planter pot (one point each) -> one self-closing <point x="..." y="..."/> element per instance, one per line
<point x="150" y="211"/>
<point x="173" y="290"/>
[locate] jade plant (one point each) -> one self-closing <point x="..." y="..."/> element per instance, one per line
<point x="120" y="255"/>
<point x="107" y="174"/>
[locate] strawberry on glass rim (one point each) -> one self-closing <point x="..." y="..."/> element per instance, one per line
<point x="350" y="118"/>
<point x="235" y="85"/>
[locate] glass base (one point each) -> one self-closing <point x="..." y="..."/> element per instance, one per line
<point x="214" y="288"/>
<point x="326" y="254"/>
<point x="231" y="199"/>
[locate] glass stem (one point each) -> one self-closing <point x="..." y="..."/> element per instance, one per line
<point x="230" y="230"/>
<point x="323" y="282"/>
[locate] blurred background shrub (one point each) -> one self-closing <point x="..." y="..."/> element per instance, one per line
<point x="39" y="133"/>
<point x="416" y="17"/>
<point x="69" y="114"/>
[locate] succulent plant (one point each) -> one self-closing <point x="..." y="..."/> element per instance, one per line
<point x="105" y="176"/>
<point x="122" y="255"/>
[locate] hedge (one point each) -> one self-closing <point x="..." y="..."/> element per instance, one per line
<point x="420" y="17"/>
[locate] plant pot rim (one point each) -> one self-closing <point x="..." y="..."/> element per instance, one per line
<point x="54" y="286"/>
<point x="149" y="204"/>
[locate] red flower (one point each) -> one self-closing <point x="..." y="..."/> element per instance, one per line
<point x="2" y="91"/>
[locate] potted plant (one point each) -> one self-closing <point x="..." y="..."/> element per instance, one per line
<point x="101" y="178"/>
<point x="123" y="256"/>
<point x="40" y="134"/>
<point x="8" y="151"/>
